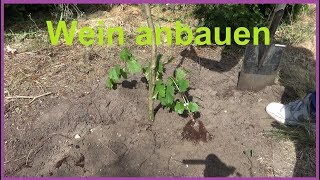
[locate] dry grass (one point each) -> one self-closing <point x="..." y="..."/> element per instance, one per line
<point x="300" y="30"/>
<point x="297" y="72"/>
<point x="304" y="136"/>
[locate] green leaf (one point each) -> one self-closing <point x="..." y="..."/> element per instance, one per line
<point x="109" y="83"/>
<point x="114" y="73"/>
<point x="118" y="69"/>
<point x="169" y="95"/>
<point x="159" y="71"/>
<point x="123" y="73"/>
<point x="183" y="85"/>
<point x="125" y="55"/>
<point x="146" y="72"/>
<point x="132" y="58"/>
<point x="160" y="88"/>
<point x="160" y="67"/>
<point x="179" y="108"/>
<point x="163" y="101"/>
<point x="159" y="56"/>
<point x="169" y="81"/>
<point x="193" y="107"/>
<point x="134" y="66"/>
<point x="170" y="106"/>
<point x="180" y="74"/>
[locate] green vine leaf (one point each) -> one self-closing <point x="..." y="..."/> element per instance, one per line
<point x="146" y="72"/>
<point x="179" y="108"/>
<point x="193" y="107"/>
<point x="159" y="56"/>
<point x="109" y="83"/>
<point x="134" y="66"/>
<point x="163" y="101"/>
<point x="169" y="94"/>
<point x="114" y="73"/>
<point x="159" y="70"/>
<point x="164" y="92"/>
<point x="180" y="74"/>
<point x="123" y="73"/>
<point x="125" y="55"/>
<point x="160" y="89"/>
<point x="169" y="81"/>
<point x="183" y="85"/>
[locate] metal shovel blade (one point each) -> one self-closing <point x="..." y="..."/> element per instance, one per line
<point x="254" y="76"/>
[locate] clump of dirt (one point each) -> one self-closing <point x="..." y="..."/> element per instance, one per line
<point x="195" y="131"/>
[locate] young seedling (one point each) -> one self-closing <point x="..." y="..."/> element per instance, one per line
<point x="171" y="93"/>
<point x="165" y="92"/>
<point x="116" y="72"/>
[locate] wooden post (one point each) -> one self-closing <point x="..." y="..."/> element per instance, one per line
<point x="152" y="64"/>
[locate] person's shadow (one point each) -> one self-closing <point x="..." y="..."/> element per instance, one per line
<point x="214" y="167"/>
<point x="226" y="62"/>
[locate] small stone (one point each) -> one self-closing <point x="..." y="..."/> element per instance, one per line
<point x="77" y="136"/>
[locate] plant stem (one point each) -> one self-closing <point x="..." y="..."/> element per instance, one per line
<point x="185" y="99"/>
<point x="152" y="63"/>
<point x="175" y="83"/>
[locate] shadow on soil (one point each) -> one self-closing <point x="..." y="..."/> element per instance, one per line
<point x="226" y="63"/>
<point x="214" y="167"/>
<point x="297" y="75"/>
<point x="304" y="146"/>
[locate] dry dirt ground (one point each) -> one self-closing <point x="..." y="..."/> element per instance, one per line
<point x="83" y="129"/>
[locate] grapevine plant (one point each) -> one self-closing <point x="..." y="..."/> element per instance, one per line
<point x="170" y="93"/>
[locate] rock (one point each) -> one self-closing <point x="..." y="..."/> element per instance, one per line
<point x="77" y="136"/>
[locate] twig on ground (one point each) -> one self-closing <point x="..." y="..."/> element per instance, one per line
<point x="29" y="97"/>
<point x="27" y="159"/>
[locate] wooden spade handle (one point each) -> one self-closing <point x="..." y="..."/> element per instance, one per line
<point x="274" y="23"/>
